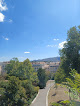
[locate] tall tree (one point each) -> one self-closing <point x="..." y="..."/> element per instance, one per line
<point x="42" y="77"/>
<point x="70" y="54"/>
<point x="23" y="70"/>
<point x="29" y="71"/>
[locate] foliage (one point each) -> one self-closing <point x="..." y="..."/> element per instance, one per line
<point x="59" y="76"/>
<point x="69" y="69"/>
<point x="42" y="77"/>
<point x="12" y="67"/>
<point x="14" y="94"/>
<point x="70" y="54"/>
<point x="3" y="84"/>
<point x="2" y="90"/>
<point x="66" y="102"/>
<point x="49" y="75"/>
<point x="29" y="72"/>
<point x="62" y="103"/>
<point x="23" y="70"/>
<point x="30" y="89"/>
<point x="20" y="88"/>
<point x="55" y="104"/>
<point x="73" y="84"/>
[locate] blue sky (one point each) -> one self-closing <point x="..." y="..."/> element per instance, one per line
<point x="35" y="29"/>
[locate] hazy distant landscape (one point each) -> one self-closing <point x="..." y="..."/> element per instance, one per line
<point x="52" y="59"/>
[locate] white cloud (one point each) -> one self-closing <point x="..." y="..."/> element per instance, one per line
<point x="55" y="39"/>
<point x="26" y="52"/>
<point x="5" y="38"/>
<point x="3" y="6"/>
<point x="2" y="17"/>
<point x="10" y="20"/>
<point x="61" y="45"/>
<point x="51" y="45"/>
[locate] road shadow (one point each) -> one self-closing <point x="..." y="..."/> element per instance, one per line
<point x="54" y="94"/>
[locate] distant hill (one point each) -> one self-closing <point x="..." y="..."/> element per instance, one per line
<point x="52" y="59"/>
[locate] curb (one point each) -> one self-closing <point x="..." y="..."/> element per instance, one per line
<point x="35" y="98"/>
<point x="47" y="97"/>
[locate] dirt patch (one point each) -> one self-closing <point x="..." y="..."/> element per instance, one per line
<point x="57" y="94"/>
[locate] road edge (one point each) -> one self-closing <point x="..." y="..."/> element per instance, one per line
<point x="35" y="98"/>
<point x="47" y="97"/>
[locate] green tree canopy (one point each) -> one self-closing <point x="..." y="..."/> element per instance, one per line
<point x="42" y="77"/>
<point x="21" y="86"/>
<point x="29" y="71"/>
<point x="15" y="94"/>
<point x="23" y="70"/>
<point x="70" y="54"/>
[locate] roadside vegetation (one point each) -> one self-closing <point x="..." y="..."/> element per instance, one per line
<point x="21" y="83"/>
<point x="68" y="73"/>
<point x="42" y="78"/>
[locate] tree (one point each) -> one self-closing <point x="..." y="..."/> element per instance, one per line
<point x="70" y="54"/>
<point x="59" y="76"/>
<point x="14" y="94"/>
<point x="30" y="89"/>
<point x="22" y="86"/>
<point x="29" y="72"/>
<point x="23" y="70"/>
<point x="73" y="84"/>
<point x="73" y="81"/>
<point x="11" y="68"/>
<point x="42" y="77"/>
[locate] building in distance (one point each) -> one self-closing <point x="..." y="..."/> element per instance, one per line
<point x="2" y="67"/>
<point x="48" y="66"/>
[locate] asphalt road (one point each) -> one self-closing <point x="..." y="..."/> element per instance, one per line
<point x="41" y="99"/>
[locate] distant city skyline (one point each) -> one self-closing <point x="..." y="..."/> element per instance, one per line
<point x="35" y="29"/>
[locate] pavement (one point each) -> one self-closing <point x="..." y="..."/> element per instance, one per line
<point x="41" y="99"/>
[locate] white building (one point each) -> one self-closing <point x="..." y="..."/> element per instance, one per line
<point x="48" y="66"/>
<point x="2" y="67"/>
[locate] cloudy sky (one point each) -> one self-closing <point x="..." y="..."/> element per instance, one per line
<point x="35" y="29"/>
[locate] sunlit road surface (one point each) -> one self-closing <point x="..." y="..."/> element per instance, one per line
<point x="41" y="99"/>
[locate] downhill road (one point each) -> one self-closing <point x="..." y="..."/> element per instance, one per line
<point x="41" y="99"/>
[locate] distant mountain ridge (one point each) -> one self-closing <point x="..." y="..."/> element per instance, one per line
<point x="52" y="59"/>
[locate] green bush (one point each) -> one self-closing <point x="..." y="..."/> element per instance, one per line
<point x="2" y="90"/>
<point x="3" y="84"/>
<point x="36" y="89"/>
<point x="55" y="104"/>
<point x="65" y="103"/>
<point x="61" y="103"/>
<point x="59" y="76"/>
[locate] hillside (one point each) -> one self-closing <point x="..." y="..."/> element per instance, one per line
<point x="52" y="59"/>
